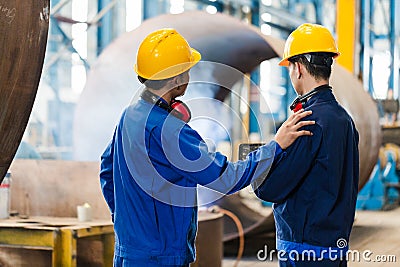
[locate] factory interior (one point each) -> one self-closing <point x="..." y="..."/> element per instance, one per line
<point x="67" y="74"/>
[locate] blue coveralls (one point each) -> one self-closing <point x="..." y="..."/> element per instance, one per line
<point x="149" y="173"/>
<point x="314" y="186"/>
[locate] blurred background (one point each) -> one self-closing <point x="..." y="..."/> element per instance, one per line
<point x="81" y="29"/>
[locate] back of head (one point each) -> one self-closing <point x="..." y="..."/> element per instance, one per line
<point x="164" y="54"/>
<point x="313" y="46"/>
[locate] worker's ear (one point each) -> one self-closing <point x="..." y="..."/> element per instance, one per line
<point x="299" y="69"/>
<point x="177" y="80"/>
<point x="173" y="82"/>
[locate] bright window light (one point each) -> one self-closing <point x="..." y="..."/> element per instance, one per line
<point x="267" y="2"/>
<point x="246" y="9"/>
<point x="211" y="9"/>
<point x="266" y="29"/>
<point x="381" y="72"/>
<point x="78" y="31"/>
<point x="177" y="6"/>
<point x="266" y="17"/>
<point x="78" y="78"/>
<point x="79" y="10"/>
<point x="133" y="14"/>
<point x="79" y="35"/>
<point x="265" y="71"/>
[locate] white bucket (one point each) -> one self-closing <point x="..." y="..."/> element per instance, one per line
<point x="84" y="213"/>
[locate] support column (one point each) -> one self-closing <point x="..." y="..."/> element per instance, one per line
<point x="108" y="249"/>
<point x="394" y="47"/>
<point x="346" y="32"/>
<point x="69" y="248"/>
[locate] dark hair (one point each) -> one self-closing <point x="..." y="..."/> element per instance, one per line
<point x="317" y="64"/>
<point x="154" y="84"/>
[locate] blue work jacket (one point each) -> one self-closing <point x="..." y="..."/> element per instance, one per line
<point x="314" y="183"/>
<point x="149" y="173"/>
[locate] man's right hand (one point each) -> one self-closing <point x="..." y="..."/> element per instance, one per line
<point x="289" y="131"/>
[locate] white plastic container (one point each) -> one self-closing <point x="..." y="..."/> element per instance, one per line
<point x="84" y="212"/>
<point x="5" y="197"/>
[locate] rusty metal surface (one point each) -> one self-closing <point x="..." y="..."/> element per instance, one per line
<point x="391" y="134"/>
<point x="220" y="38"/>
<point x="209" y="245"/>
<point x="23" y="37"/>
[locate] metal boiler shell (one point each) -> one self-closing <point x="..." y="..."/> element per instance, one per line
<point x="23" y="37"/>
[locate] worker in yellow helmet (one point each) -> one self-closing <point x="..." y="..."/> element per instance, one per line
<point x="314" y="186"/>
<point x="155" y="160"/>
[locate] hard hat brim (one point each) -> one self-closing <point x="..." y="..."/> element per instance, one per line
<point x="174" y="70"/>
<point x="196" y="57"/>
<point x="285" y="62"/>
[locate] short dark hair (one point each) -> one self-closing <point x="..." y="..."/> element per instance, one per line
<point x="317" y="64"/>
<point x="154" y="84"/>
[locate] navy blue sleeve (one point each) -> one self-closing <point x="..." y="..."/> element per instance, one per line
<point x="278" y="151"/>
<point x="106" y="176"/>
<point x="290" y="167"/>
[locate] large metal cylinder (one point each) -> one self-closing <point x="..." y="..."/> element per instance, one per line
<point x="219" y="38"/>
<point x="23" y="37"/>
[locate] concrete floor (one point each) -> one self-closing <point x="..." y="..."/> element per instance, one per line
<point x="375" y="234"/>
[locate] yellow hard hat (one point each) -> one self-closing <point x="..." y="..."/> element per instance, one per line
<point x="308" y="38"/>
<point x="164" y="54"/>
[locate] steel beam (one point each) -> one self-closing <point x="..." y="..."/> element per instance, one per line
<point x="345" y="31"/>
<point x="394" y="47"/>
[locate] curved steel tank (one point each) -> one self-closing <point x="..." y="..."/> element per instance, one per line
<point x="23" y="37"/>
<point x="219" y="38"/>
